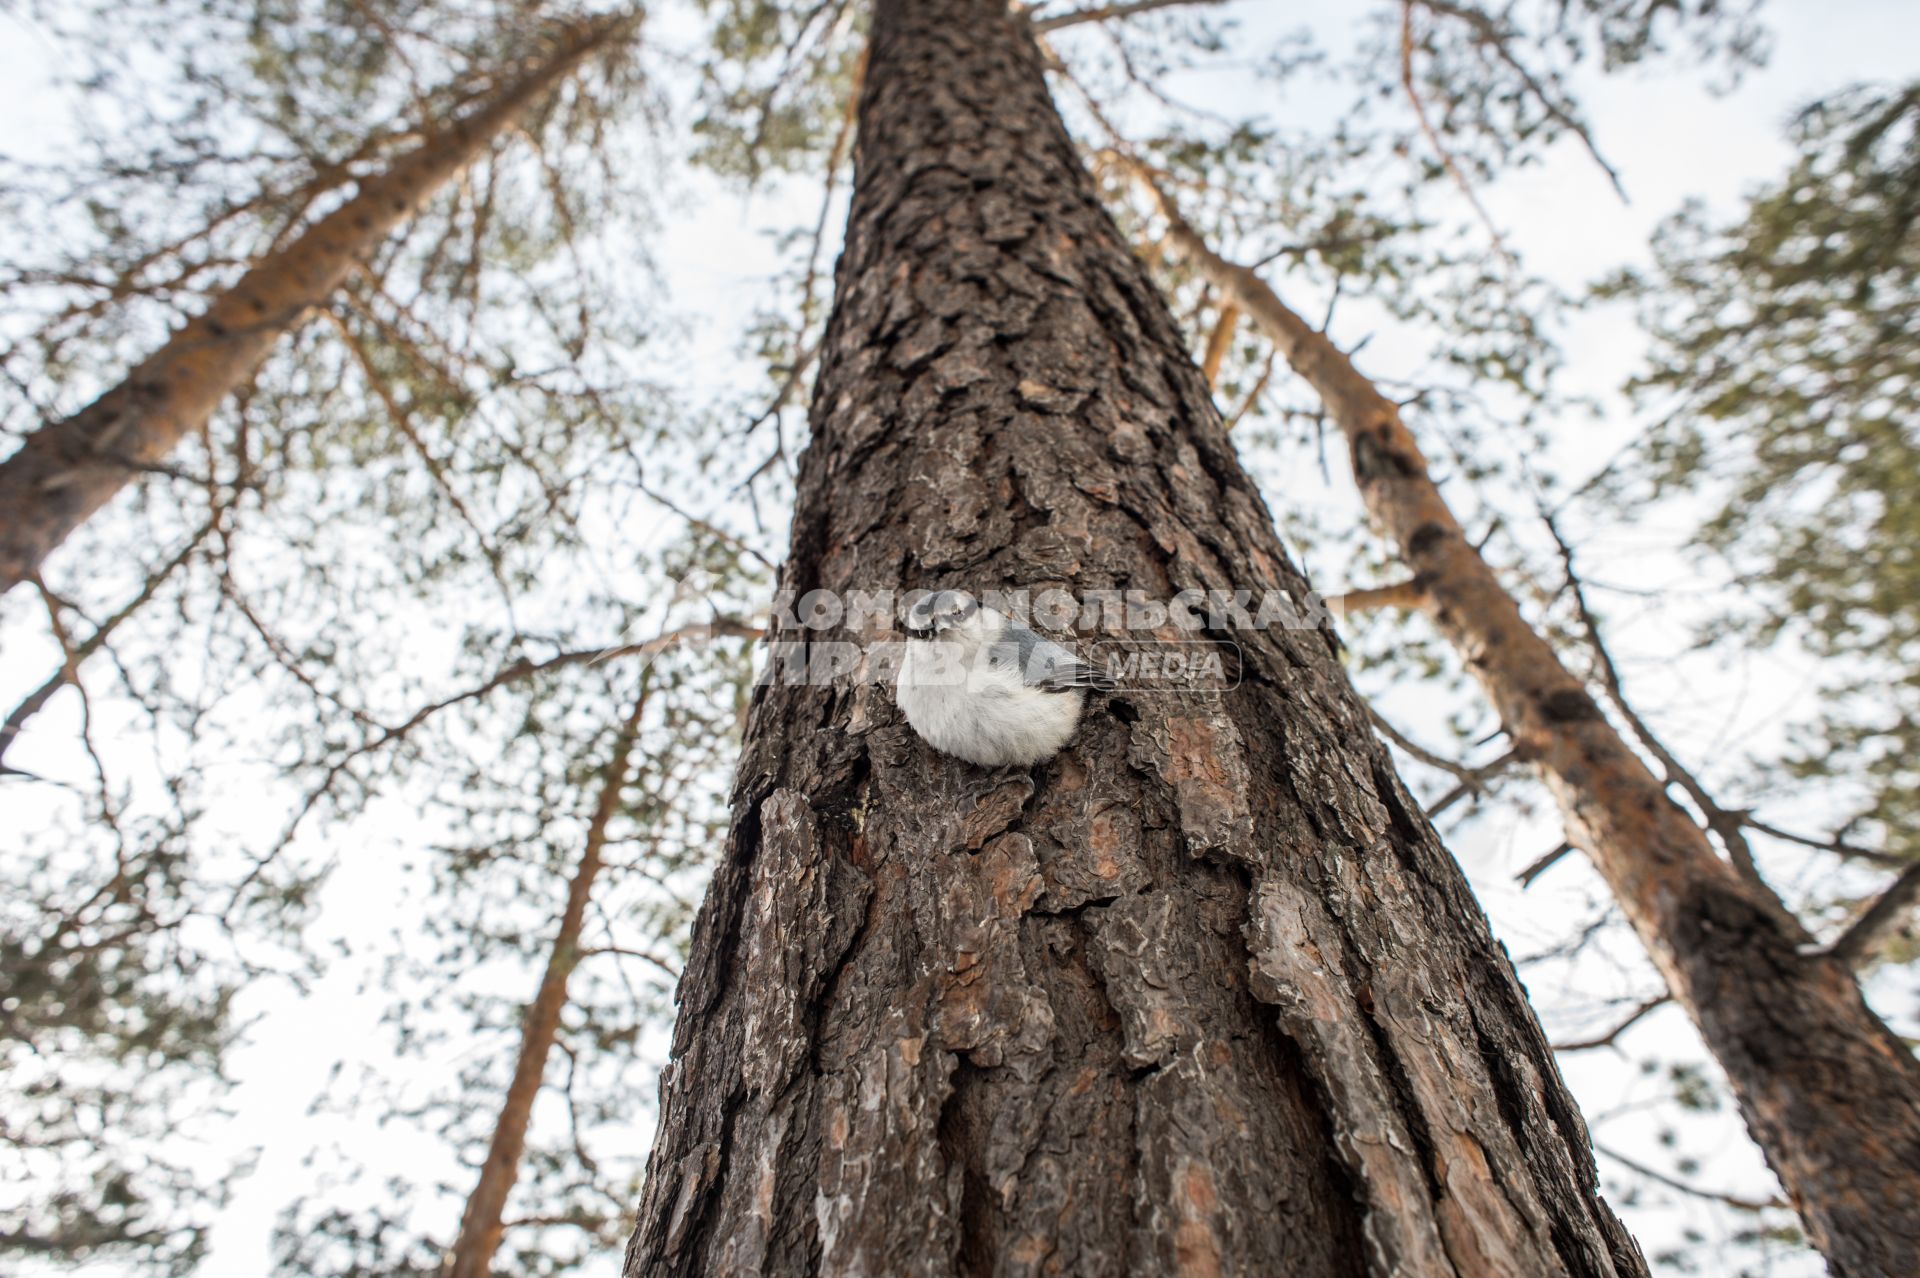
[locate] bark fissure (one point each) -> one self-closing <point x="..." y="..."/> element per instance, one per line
<point x="1100" y="1016"/>
<point x="959" y="1141"/>
<point x="1828" y="1093"/>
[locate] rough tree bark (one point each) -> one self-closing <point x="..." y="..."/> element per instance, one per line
<point x="1828" y="1092"/>
<point x="68" y="469"/>
<point x="481" y="1227"/>
<point x="1203" y="994"/>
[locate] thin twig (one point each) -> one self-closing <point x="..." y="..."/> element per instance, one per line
<point x="1251" y="402"/>
<point x="1541" y="864"/>
<point x="718" y="627"/>
<point x="401" y="418"/>
<point x="1490" y="34"/>
<point x="702" y="525"/>
<point x="1110" y="12"/>
<point x="1724" y="824"/>
<point x="1472" y="778"/>
<point x="1835" y="845"/>
<point x="1413" y="748"/>
<point x="1671" y="1182"/>
<point x="1432" y="135"/>
<point x="672" y="972"/>
<point x="72" y="657"/>
<point x="807" y="352"/>
<point x="1607" y="1039"/>
<point x="1474" y="782"/>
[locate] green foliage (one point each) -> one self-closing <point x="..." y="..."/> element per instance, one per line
<point x="1494" y="80"/>
<point x="515" y="808"/>
<point x="775" y="85"/>
<point x="455" y="475"/>
<point x="1787" y="362"/>
<point x="425" y="449"/>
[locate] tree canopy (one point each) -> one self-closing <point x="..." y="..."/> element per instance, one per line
<point x="317" y="714"/>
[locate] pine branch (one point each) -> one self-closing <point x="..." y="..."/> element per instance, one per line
<point x="1540" y="865"/>
<point x="1607" y="1039"/>
<point x="1696" y="1191"/>
<point x="1725" y="824"/>
<point x="1858" y="940"/>
<point x="1410" y="594"/>
<point x="1109" y="13"/>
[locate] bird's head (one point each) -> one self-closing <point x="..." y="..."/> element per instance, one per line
<point x="940" y="612"/>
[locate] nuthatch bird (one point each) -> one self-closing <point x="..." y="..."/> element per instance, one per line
<point x="986" y="689"/>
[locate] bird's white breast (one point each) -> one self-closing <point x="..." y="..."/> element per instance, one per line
<point x="981" y="713"/>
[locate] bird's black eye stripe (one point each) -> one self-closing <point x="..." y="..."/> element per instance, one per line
<point x="945" y="605"/>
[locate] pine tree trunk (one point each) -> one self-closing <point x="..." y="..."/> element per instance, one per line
<point x="482" y="1223"/>
<point x="1828" y="1092"/>
<point x="67" y="470"/>
<point x="1203" y="994"/>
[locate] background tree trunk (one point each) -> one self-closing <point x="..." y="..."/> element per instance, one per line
<point x="1203" y="994"/>
<point x="68" y="469"/>
<point x="1828" y="1092"/>
<point x="481" y="1224"/>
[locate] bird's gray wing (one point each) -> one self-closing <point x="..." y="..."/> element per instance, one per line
<point x="1042" y="662"/>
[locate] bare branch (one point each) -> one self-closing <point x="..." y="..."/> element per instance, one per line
<point x="1109" y="13"/>
<point x="1475" y="781"/>
<point x="1835" y="845"/>
<point x="1219" y="342"/>
<point x="591" y="1224"/>
<point x="1433" y="136"/>
<point x="671" y="971"/>
<point x="718" y="627"/>
<point x="1671" y="1182"/>
<point x="1858" y="940"/>
<point x="1413" y="748"/>
<point x="1607" y="1039"/>
<point x="783" y="395"/>
<point x="401" y="418"/>
<point x="73" y="655"/>
<point x="1488" y="33"/>
<point x="702" y="525"/>
<point x="1410" y="594"/>
<point x="1724" y="824"/>
<point x="1472" y="778"/>
<point x="1540" y="865"/>
<point x="1252" y="401"/>
<point x="805" y="352"/>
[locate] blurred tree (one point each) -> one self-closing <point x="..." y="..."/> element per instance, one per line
<point x="429" y="451"/>
<point x="1819" y="1078"/>
<point x="66" y="470"/>
<point x="1785" y="373"/>
<point x="582" y="879"/>
<point x="460" y="440"/>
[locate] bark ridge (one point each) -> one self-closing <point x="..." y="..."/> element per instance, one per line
<point x="1203" y="994"/>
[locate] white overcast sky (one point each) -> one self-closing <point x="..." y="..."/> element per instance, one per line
<point x="1670" y="139"/>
